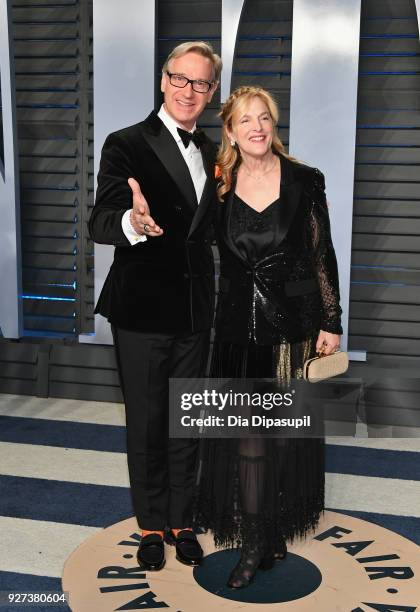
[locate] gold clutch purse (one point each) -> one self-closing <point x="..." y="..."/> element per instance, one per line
<point x="320" y="368"/>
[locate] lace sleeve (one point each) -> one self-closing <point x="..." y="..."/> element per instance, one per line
<point x="325" y="260"/>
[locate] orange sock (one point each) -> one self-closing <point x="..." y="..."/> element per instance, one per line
<point x="176" y="531"/>
<point x="146" y="532"/>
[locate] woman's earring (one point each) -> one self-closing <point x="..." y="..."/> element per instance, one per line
<point x="232" y="142"/>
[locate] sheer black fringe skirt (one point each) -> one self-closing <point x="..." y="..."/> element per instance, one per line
<point x="274" y="484"/>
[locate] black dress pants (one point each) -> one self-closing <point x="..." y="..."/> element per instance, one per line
<point x="161" y="469"/>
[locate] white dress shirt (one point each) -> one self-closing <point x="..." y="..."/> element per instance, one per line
<point x="194" y="161"/>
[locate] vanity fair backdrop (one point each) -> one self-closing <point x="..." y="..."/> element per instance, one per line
<point x="55" y="451"/>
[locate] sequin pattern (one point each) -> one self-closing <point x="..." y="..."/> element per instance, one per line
<point x="304" y="253"/>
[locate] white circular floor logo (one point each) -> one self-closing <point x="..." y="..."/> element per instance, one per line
<point x="348" y="565"/>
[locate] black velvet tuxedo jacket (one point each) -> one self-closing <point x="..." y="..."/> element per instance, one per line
<point x="165" y="284"/>
<point x="293" y="292"/>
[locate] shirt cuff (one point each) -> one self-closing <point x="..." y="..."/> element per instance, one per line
<point x="129" y="232"/>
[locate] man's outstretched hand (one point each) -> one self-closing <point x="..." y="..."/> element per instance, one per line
<point x="140" y="214"/>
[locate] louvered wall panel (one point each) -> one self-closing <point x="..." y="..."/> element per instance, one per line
<point x="18" y="368"/>
<point x="52" y="86"/>
<point x="385" y="289"/>
<point x="86" y="265"/>
<point x="84" y="372"/>
<point x="263" y="53"/>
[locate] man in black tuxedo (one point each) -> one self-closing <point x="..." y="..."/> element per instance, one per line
<point x="159" y="293"/>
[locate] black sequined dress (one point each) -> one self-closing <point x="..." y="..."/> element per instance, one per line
<point x="275" y="484"/>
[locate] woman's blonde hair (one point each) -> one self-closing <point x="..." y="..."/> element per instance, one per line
<point x="228" y="157"/>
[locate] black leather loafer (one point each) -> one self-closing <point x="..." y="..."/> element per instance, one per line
<point x="151" y="553"/>
<point x="188" y="549"/>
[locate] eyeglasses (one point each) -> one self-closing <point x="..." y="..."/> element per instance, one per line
<point x="178" y="80"/>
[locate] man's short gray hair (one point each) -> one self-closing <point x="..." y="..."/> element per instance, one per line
<point x="200" y="47"/>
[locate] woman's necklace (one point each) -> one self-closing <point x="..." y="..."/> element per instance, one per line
<point x="258" y="178"/>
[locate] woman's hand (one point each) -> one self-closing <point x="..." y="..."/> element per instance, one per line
<point x="327" y="343"/>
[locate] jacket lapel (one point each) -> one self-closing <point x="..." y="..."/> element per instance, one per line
<point x="209" y="192"/>
<point x="209" y="158"/>
<point x="290" y="192"/>
<point x="165" y="147"/>
<point x="226" y="223"/>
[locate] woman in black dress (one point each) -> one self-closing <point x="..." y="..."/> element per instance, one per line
<point x="278" y="305"/>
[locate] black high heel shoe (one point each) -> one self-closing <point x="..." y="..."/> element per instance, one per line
<point x="244" y="571"/>
<point x="281" y="550"/>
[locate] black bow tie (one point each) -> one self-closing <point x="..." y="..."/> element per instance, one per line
<point x="197" y="137"/>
